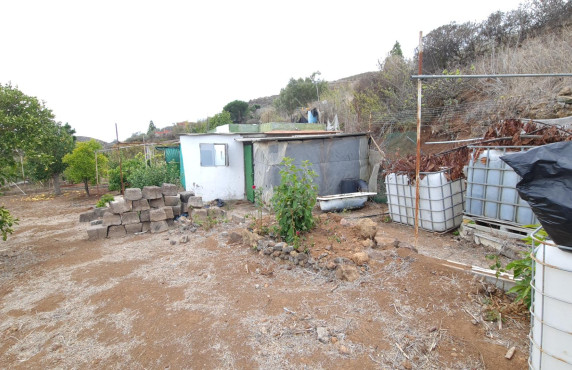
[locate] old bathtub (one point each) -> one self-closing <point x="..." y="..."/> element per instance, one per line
<point x="339" y="202"/>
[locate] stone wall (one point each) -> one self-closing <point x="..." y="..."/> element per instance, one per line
<point x="151" y="209"/>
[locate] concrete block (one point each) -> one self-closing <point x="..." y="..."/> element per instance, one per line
<point x="140" y="205"/>
<point x="157" y="203"/>
<point x="116" y="231"/>
<point x="96" y="222"/>
<point x="168" y="212"/>
<point x="185" y="195"/>
<point x="169" y="189"/>
<point x="145" y="215"/>
<point x="170" y="222"/>
<point x="100" y="211"/>
<point x="216" y="212"/>
<point x="157" y="215"/>
<point x="110" y="219"/>
<point x="87" y="216"/>
<point x="133" y="228"/>
<point x="159" y="226"/>
<point x="97" y="232"/>
<point x="133" y="194"/>
<point x="128" y="218"/>
<point x="171" y="200"/>
<point x="195" y="202"/>
<point x="199" y="215"/>
<point x="152" y="192"/>
<point x="176" y="210"/>
<point x="120" y="206"/>
<point x="145" y="226"/>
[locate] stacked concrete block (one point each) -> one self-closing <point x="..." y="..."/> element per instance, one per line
<point x="152" y="208"/>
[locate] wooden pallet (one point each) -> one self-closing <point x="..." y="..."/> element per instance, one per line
<point x="494" y="233"/>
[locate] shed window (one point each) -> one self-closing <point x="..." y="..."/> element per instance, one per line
<point x="214" y="155"/>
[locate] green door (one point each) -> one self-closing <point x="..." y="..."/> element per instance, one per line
<point x="248" y="171"/>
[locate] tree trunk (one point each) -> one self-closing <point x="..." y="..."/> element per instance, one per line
<point x="86" y="184"/>
<point x="56" y="178"/>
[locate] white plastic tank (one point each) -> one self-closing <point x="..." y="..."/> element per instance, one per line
<point x="440" y="201"/>
<point x="509" y="195"/>
<point x="476" y="175"/>
<point x="491" y="189"/>
<point x="551" y="309"/>
<point x="493" y="180"/>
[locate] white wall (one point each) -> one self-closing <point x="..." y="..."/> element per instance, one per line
<point x="223" y="182"/>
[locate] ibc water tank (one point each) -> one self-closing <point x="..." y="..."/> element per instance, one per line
<point x="551" y="309"/>
<point x="493" y="180"/>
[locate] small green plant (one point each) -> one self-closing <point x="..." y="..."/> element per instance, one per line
<point x="456" y="232"/>
<point x="294" y="199"/>
<point x="102" y="202"/>
<point x="522" y="271"/>
<point x="496" y="265"/>
<point x="6" y="223"/>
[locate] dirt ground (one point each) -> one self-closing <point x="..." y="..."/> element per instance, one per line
<point x="151" y="301"/>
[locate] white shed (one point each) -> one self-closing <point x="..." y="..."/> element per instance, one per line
<point x="213" y="165"/>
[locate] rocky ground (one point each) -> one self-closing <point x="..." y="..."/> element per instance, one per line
<point x="220" y="295"/>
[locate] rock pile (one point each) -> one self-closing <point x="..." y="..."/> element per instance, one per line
<point x="151" y="209"/>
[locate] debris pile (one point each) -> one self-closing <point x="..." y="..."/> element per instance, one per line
<point x="510" y="132"/>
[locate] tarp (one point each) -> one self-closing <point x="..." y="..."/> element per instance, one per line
<point x="546" y="185"/>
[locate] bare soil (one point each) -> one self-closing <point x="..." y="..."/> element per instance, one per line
<point x="151" y="301"/>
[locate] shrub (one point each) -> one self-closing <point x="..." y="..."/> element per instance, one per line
<point x="102" y="202"/>
<point x="154" y="175"/>
<point x="6" y="223"/>
<point x="294" y="199"/>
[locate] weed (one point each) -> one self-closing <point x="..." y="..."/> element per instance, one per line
<point x="102" y="202"/>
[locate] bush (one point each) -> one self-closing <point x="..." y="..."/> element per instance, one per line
<point x="294" y="199"/>
<point x="102" y="202"/>
<point x="6" y="223"/>
<point x="154" y="175"/>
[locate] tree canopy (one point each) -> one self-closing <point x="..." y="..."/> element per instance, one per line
<point x="24" y="123"/>
<point x="81" y="163"/>
<point x="47" y="162"/>
<point x="219" y="119"/>
<point x="298" y="93"/>
<point x="237" y="110"/>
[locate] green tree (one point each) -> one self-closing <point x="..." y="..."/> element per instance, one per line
<point x="81" y="163"/>
<point x="219" y="119"/>
<point x="24" y="123"/>
<point x="396" y="50"/>
<point x="151" y="130"/>
<point x="298" y="93"/>
<point x="47" y="162"/>
<point x="237" y="110"/>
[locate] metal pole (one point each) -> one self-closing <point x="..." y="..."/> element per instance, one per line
<point x="506" y="75"/>
<point x="418" y="154"/>
<point x="96" y="173"/>
<point x="120" y="166"/>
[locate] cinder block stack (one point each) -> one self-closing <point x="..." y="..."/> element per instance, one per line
<point x="151" y="209"/>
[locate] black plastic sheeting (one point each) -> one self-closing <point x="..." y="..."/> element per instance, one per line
<point x="546" y="185"/>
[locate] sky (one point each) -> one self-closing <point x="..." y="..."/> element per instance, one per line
<point x="100" y="63"/>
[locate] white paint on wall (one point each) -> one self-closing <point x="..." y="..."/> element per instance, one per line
<point x="223" y="182"/>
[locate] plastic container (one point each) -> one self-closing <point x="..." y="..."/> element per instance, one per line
<point x="348" y="186"/>
<point x="551" y="325"/>
<point x="491" y="188"/>
<point x="440" y="201"/>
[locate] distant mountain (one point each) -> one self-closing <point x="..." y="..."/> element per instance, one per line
<point x="81" y="139"/>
